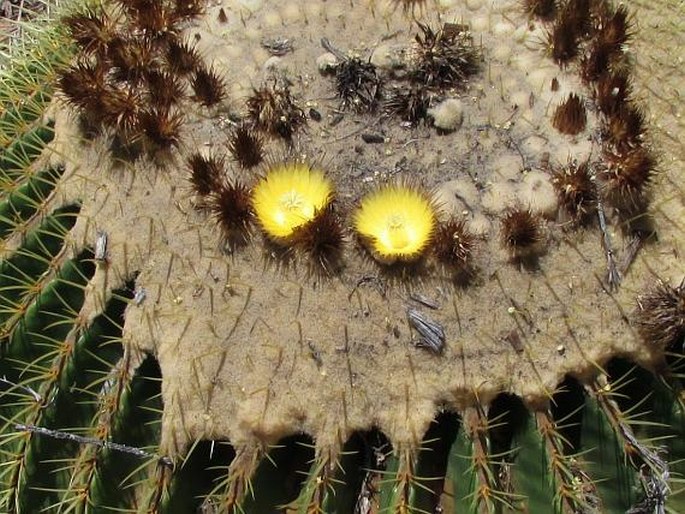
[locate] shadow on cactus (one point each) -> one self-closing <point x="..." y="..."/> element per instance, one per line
<point x="505" y="335"/>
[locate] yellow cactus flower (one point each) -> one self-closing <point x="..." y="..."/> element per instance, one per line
<point x="289" y="196"/>
<point x="397" y="222"/>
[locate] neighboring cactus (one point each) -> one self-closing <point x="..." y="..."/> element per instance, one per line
<point x="105" y="404"/>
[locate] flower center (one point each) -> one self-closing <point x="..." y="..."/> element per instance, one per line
<point x="397" y="235"/>
<point x="294" y="209"/>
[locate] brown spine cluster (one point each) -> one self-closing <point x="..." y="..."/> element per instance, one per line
<point x="521" y="233"/>
<point x="598" y="31"/>
<point x="129" y="76"/>
<point x="570" y="117"/>
<point x="454" y="246"/>
<point x="660" y="317"/>
<point x="576" y="191"/>
<point x="231" y="206"/>
<point x="273" y="110"/>
<point x="246" y="146"/>
<point x="322" y="241"/>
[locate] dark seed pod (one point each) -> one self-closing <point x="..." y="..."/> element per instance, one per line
<point x="246" y="146"/>
<point x="443" y="58"/>
<point x="521" y="233"/>
<point x="660" y="317"/>
<point x="576" y="190"/>
<point x="231" y="207"/>
<point x="577" y="14"/>
<point x="152" y="17"/>
<point x="206" y="173"/>
<point x="322" y="239"/>
<point x="208" y="86"/>
<point x="595" y="62"/>
<point x="273" y="110"/>
<point x="119" y="107"/>
<point x="570" y="117"/>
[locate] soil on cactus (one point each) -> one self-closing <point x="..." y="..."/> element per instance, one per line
<point x="368" y="257"/>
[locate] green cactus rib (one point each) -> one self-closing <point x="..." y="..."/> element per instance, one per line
<point x="318" y="488"/>
<point x="122" y="482"/>
<point x="415" y="480"/>
<point x="27" y="83"/>
<point x="470" y="469"/>
<point x="655" y="414"/>
<point x="35" y="358"/>
<point x="205" y="464"/>
<point x="19" y="115"/>
<point x="604" y="460"/>
<point x="532" y="473"/>
<point x="16" y="158"/>
<point x="570" y="488"/>
<point x="279" y="476"/>
<point x="84" y="393"/>
<point x="26" y="273"/>
<point x="26" y="203"/>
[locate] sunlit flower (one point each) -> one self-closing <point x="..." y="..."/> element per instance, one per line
<point x="397" y="222"/>
<point x="289" y="196"/>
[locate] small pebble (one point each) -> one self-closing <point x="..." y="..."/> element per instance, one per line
<point x="372" y="138"/>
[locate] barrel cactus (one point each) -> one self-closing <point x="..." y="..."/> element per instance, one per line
<point x="342" y="258"/>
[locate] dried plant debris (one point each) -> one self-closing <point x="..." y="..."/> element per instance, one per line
<point x="277" y="46"/>
<point x="129" y="74"/>
<point x="443" y="58"/>
<point x="357" y="82"/>
<point x="570" y="117"/>
<point x="660" y="316"/>
<point x="273" y="110"/>
<point x="431" y="333"/>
